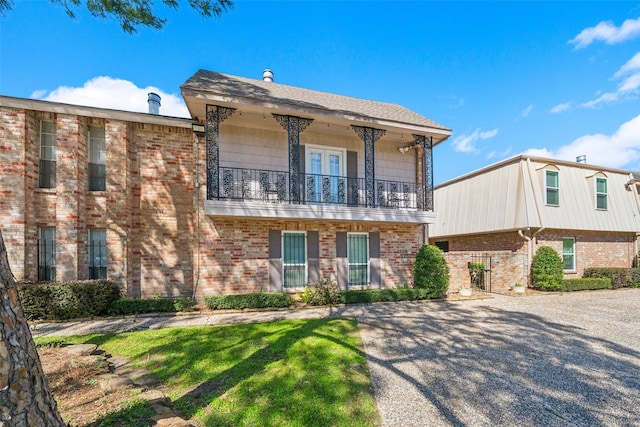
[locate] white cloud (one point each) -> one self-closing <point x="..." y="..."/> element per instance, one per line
<point x="617" y="150"/>
<point x="527" y="110"/>
<point x="607" y="32"/>
<point x="629" y="85"/>
<point x="561" y="108"/>
<point x="466" y="143"/>
<point x="109" y="92"/>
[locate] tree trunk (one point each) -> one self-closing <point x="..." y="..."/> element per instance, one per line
<point x="25" y="399"/>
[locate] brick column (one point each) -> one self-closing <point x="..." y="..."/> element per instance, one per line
<point x="68" y="189"/>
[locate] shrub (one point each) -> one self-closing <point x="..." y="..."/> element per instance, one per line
<point x="620" y="277"/>
<point x="127" y="306"/>
<point x="63" y="301"/>
<point x="546" y="269"/>
<point x="476" y="271"/>
<point x="585" y="284"/>
<point x="323" y="292"/>
<point x="431" y="272"/>
<point x="253" y="300"/>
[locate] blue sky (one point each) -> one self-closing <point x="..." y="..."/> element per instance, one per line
<point x="558" y="79"/>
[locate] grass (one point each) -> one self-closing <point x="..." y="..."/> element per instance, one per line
<point x="287" y="373"/>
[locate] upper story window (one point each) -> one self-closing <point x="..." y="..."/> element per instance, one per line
<point x="97" y="159"/>
<point x="47" y="172"/>
<point x="601" y="193"/>
<point x="552" y="188"/>
<point x="325" y="182"/>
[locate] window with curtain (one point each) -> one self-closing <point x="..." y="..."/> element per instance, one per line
<point x="47" y="171"/>
<point x="601" y="193"/>
<point x="358" y="258"/>
<point x="568" y="253"/>
<point x="294" y="259"/>
<point x="97" y="253"/>
<point x="47" y="254"/>
<point x="552" y="188"/>
<point x="97" y="159"/>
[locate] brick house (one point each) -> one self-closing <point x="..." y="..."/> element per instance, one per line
<point x="589" y="214"/>
<point x="266" y="186"/>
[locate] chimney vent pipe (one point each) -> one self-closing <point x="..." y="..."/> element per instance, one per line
<point x="267" y="75"/>
<point x="154" y="103"/>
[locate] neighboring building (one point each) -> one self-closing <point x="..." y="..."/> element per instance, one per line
<point x="588" y="214"/>
<point x="267" y="187"/>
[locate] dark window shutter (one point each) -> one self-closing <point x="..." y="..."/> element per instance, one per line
<point x="275" y="260"/>
<point x="313" y="256"/>
<point x="342" y="263"/>
<point x="374" y="260"/>
<point x="302" y="173"/>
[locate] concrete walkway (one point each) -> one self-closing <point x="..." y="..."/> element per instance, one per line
<point x="551" y="360"/>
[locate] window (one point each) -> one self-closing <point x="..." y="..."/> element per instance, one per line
<point x="47" y="174"/>
<point x="358" y="256"/>
<point x="601" y="193"/>
<point x="47" y="254"/>
<point x="325" y="175"/>
<point x="97" y="253"/>
<point x="568" y="253"/>
<point x="443" y="245"/>
<point x="552" y="188"/>
<point x="97" y="159"/>
<point x="294" y="259"/>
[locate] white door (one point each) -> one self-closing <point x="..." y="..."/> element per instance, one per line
<point x="325" y="169"/>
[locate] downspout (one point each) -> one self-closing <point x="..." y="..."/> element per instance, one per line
<point x="537" y="205"/>
<point x="529" y="249"/>
<point x="197" y="188"/>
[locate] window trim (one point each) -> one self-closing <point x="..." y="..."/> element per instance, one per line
<point x="572" y="254"/>
<point x="306" y="259"/>
<point x="547" y="188"/>
<point x="605" y="194"/>
<point x="368" y="263"/>
<point x="51" y="180"/>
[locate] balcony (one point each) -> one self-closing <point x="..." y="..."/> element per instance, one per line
<point x="278" y="194"/>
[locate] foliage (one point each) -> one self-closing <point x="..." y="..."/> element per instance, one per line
<point x="476" y="271"/>
<point x="62" y="301"/>
<point x="133" y="14"/>
<point x="585" y="284"/>
<point x="547" y="269"/>
<point x="430" y="271"/>
<point x="385" y="295"/>
<point x="620" y="277"/>
<point x="126" y="306"/>
<point x="253" y="300"/>
<point x="292" y="373"/>
<point x="323" y="292"/>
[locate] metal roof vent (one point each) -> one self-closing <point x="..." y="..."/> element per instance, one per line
<point x="582" y="159"/>
<point x="267" y="75"/>
<point x="154" y="103"/>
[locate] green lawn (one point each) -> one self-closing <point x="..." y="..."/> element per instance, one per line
<point x="287" y="373"/>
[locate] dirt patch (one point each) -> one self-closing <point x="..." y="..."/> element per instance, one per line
<point x="74" y="383"/>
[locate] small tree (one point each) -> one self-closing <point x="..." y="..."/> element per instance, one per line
<point x="546" y="269"/>
<point x="431" y="271"/>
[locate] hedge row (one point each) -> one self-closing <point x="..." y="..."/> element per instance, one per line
<point x="253" y="300"/>
<point x="620" y="277"/>
<point x="585" y="284"/>
<point x="127" y="306"/>
<point x="62" y="301"/>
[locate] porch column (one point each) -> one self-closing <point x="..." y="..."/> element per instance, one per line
<point x="294" y="126"/>
<point x="369" y="136"/>
<point x="424" y="172"/>
<point x="215" y="116"/>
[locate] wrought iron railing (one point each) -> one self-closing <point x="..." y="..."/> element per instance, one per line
<point x="277" y="186"/>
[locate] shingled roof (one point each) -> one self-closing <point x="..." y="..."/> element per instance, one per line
<point x="260" y="91"/>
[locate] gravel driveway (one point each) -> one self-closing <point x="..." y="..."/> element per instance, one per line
<point x="568" y="359"/>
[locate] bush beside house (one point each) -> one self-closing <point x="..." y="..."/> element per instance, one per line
<point x="546" y="269"/>
<point x="431" y="272"/>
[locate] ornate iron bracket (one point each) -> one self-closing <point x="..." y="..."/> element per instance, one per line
<point x="369" y="136"/>
<point x="215" y="116"/>
<point x="294" y="126"/>
<point x="425" y="195"/>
